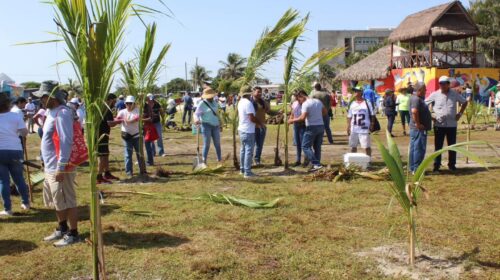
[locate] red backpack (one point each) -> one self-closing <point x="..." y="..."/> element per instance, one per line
<point x="79" y="152"/>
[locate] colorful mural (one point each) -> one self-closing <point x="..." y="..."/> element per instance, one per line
<point x="481" y="78"/>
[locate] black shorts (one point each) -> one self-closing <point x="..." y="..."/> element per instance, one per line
<point x="103" y="146"/>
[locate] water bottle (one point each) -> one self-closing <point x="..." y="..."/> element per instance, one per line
<point x="194" y="129"/>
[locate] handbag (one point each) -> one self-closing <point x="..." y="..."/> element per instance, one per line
<point x="150" y="133"/>
<point x="375" y="126"/>
<point x="79" y="151"/>
<point x="127" y="136"/>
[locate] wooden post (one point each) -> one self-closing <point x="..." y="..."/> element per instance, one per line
<point x="392" y="54"/>
<point x="474" y="51"/>
<point x="431" y="47"/>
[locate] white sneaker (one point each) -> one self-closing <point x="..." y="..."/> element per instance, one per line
<point x="25" y="206"/>
<point x="67" y="240"/>
<point x="56" y="235"/>
<point x="249" y="175"/>
<point x="241" y="172"/>
<point x="6" y="213"/>
<point x="316" y="168"/>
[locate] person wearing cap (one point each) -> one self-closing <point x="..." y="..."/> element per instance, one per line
<point x="312" y="113"/>
<point x="104" y="176"/>
<point x="390" y="109"/>
<point x="403" y="106"/>
<point x="321" y="95"/>
<point x="222" y="101"/>
<point x="261" y="109"/>
<point x="443" y="106"/>
<point x="247" y="121"/>
<point x="30" y="109"/>
<point x="59" y="185"/>
<point x="18" y="106"/>
<point x="43" y="95"/>
<point x="206" y="117"/>
<point x="153" y="111"/>
<point x="420" y="124"/>
<point x="76" y="105"/>
<point x="120" y="104"/>
<point x="129" y="119"/>
<point x="360" y="119"/>
<point x="188" y="108"/>
<point x="11" y="155"/>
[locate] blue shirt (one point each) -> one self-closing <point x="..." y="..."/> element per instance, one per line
<point x="62" y="118"/>
<point x="188" y="101"/>
<point x="206" y="112"/>
<point x="370" y="95"/>
<point x="120" y="105"/>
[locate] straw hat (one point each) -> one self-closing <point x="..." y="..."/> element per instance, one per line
<point x="208" y="93"/>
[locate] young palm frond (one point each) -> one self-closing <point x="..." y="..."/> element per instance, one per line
<point x="235" y="201"/>
<point x="93" y="32"/>
<point x="140" y="75"/>
<point x="407" y="189"/>
<point x="293" y="76"/>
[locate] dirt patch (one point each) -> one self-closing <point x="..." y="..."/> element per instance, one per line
<point x="393" y="262"/>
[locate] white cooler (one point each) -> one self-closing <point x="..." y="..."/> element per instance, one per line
<point x="358" y="159"/>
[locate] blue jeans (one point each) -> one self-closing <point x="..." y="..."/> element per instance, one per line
<point x="150" y="152"/>
<point x="298" y="134"/>
<point x="11" y="166"/>
<point x="312" y="139"/>
<point x="418" y="144"/>
<point x="159" y="142"/>
<point x="130" y="146"/>
<point x="328" y="131"/>
<point x="247" y="143"/>
<point x="260" y="136"/>
<point x="210" y="132"/>
<point x="390" y="122"/>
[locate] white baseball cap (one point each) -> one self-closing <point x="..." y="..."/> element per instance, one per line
<point x="444" y="79"/>
<point x="75" y="100"/>
<point x="130" y="99"/>
<point x="150" y="95"/>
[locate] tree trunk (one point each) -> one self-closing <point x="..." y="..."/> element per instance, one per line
<point x="285" y="120"/>
<point x="141" y="160"/>
<point x="277" y="159"/>
<point x="236" y="164"/>
<point x="468" y="139"/>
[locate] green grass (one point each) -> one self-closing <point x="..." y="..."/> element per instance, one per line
<point x="312" y="234"/>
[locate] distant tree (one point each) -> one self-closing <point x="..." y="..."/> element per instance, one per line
<point x="176" y="85"/>
<point x="486" y="14"/>
<point x="31" y="84"/>
<point x="327" y="74"/>
<point x="233" y="68"/>
<point x="262" y="81"/>
<point x="199" y="74"/>
<point x="73" y="88"/>
<point x="121" y="90"/>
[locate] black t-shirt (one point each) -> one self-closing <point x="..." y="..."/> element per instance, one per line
<point x="104" y="127"/>
<point x="423" y="112"/>
<point x="153" y="112"/>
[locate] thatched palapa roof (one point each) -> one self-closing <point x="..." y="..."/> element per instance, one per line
<point x="446" y="22"/>
<point x="373" y="67"/>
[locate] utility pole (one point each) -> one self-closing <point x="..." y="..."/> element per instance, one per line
<point x="186" y="72"/>
<point x="196" y="78"/>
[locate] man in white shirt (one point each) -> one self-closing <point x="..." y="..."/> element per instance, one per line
<point x="18" y="106"/>
<point x="359" y="122"/>
<point x="30" y="112"/>
<point x="246" y="130"/>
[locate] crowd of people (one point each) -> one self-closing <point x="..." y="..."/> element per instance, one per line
<point x="61" y="119"/>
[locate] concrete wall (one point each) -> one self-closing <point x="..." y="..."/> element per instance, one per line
<point x="328" y="39"/>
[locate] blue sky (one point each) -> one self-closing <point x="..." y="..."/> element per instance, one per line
<point x="209" y="31"/>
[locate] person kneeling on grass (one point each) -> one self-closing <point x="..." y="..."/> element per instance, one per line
<point x="360" y="119"/>
<point x="313" y="112"/>
<point x="206" y="116"/>
<point x="59" y="186"/>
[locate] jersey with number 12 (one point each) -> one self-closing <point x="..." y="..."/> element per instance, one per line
<point x="360" y="117"/>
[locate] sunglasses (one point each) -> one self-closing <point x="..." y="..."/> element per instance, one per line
<point x="444" y="83"/>
<point x="129" y="103"/>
